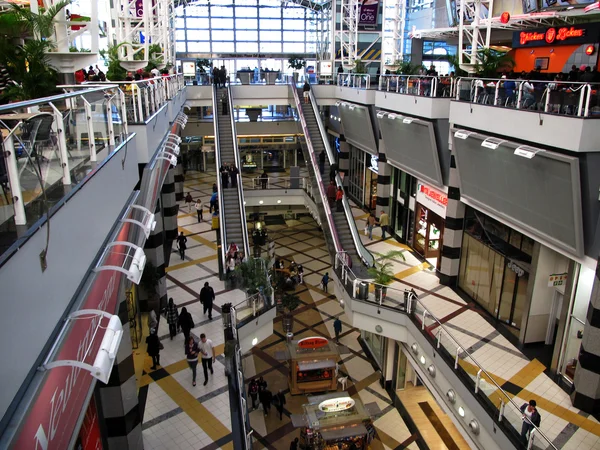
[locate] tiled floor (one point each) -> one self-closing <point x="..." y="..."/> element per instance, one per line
<point x="179" y="416"/>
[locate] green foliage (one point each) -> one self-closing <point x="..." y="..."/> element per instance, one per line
<point x="359" y="66"/>
<point x="253" y="275"/>
<point x="111" y="58"/>
<point x="296" y="62"/>
<point x="77" y="50"/>
<point x="407" y="68"/>
<point x="202" y="65"/>
<point x="290" y="301"/>
<point x="454" y="62"/>
<point x="382" y="272"/>
<point x="23" y="19"/>
<point x="491" y="62"/>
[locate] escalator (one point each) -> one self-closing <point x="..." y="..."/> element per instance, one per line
<point x="346" y="238"/>
<point x="232" y="214"/>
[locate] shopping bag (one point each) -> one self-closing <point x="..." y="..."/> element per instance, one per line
<point x="366" y="231"/>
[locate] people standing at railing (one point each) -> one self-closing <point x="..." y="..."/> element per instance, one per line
<point x="339" y="197"/>
<point x="233" y="175"/>
<point x="322" y="162"/>
<point x="331" y="193"/>
<point x="224" y="176"/>
<point x="186" y="323"/>
<point x="181" y="245"/>
<point x="198" y="207"/>
<point x="527" y="93"/>
<point x="207" y="296"/>
<point x="531" y="417"/>
<point x="340" y="71"/>
<point x="264" y="179"/>
<point x="587" y="76"/>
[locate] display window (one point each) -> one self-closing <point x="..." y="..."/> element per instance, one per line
<point x="429" y="228"/>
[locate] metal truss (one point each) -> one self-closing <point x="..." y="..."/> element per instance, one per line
<point x="474" y="31"/>
<point x="394" y="11"/>
<point x="348" y="32"/>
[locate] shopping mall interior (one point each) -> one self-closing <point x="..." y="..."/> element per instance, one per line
<point x="266" y="224"/>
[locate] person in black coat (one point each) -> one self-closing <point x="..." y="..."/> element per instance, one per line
<point x="279" y="402"/>
<point x="207" y="295"/>
<point x="181" y="245"/>
<point x="224" y="177"/>
<point x="153" y="348"/>
<point x="531" y="417"/>
<point x="185" y="322"/>
<point x="266" y="398"/>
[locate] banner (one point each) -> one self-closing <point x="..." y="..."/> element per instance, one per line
<point x="89" y="435"/>
<point x="369" y="10"/>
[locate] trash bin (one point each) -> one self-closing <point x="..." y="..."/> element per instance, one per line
<point x="289" y="336"/>
<point x="362" y="291"/>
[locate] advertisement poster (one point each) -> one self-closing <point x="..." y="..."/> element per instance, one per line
<point x="89" y="434"/>
<point x="368" y="12"/>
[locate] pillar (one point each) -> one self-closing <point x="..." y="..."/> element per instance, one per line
<point x="155" y="254"/>
<point x="344" y="159"/>
<point x="453" y="229"/>
<point x="179" y="178"/>
<point x="586" y="387"/>
<point x="170" y="208"/>
<point x="383" y="181"/>
<point x="118" y="400"/>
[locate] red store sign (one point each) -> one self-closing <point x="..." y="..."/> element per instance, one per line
<point x="555" y="36"/>
<point x="50" y="422"/>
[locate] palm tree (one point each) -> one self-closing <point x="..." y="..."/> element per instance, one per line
<point x="491" y="61"/>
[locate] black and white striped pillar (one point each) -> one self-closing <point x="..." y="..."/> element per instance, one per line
<point x="178" y="178"/>
<point x="155" y="254"/>
<point x="344" y="159"/>
<point x="384" y="175"/>
<point x="118" y="399"/>
<point x="170" y="207"/>
<point x="453" y="230"/>
<point x="586" y="386"/>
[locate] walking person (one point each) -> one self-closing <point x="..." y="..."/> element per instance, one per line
<point x="294" y="444"/>
<point x="181" y="245"/>
<point x="186" y="323"/>
<point x="531" y="417"/>
<point x="384" y="222"/>
<point x="370" y="224"/>
<point x="331" y="193"/>
<point x="198" y="206"/>
<point x="214" y="202"/>
<point x="322" y="161"/>
<point x="153" y="348"/>
<point x="266" y="398"/>
<point x="264" y="179"/>
<point x="188" y="202"/>
<point x="337" y="327"/>
<point x="152" y="321"/>
<point x="253" y="392"/>
<point x="191" y="352"/>
<point x="306" y="91"/>
<point x="262" y="385"/>
<point x="325" y="281"/>
<point x="207" y="295"/>
<point x="339" y="197"/>
<point x="279" y="402"/>
<point x="208" y="356"/>
<point x="172" y="317"/>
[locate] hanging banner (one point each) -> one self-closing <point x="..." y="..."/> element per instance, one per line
<point x="89" y="435"/>
<point x="368" y="12"/>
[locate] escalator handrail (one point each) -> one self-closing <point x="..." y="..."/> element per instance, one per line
<point x="222" y="231"/>
<point x="238" y="164"/>
<point x="311" y="152"/>
<point x="365" y="255"/>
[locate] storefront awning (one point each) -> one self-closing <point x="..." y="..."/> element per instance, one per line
<point x="532" y="190"/>
<point x="323" y="364"/>
<point x="358" y="128"/>
<point x="345" y="432"/>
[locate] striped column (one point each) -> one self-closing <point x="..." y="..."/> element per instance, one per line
<point x="384" y="174"/>
<point x="118" y="400"/>
<point x="344" y="159"/>
<point x="179" y="178"/>
<point x="586" y="387"/>
<point x="453" y="230"/>
<point x="170" y="207"/>
<point x="155" y="254"/>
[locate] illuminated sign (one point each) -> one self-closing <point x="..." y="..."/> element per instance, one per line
<point x="336" y="404"/>
<point x="556" y="36"/>
<point x="589" y="50"/>
<point x="557" y="279"/>
<point x="312" y="342"/>
<point x="505" y="17"/>
<point x="432" y="199"/>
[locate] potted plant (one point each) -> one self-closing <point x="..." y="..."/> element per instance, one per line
<point x="253" y="276"/>
<point x="289" y="301"/>
<point x="491" y="62"/>
<point x="359" y="66"/>
<point x="296" y="63"/>
<point x="382" y="273"/>
<point x="148" y="295"/>
<point x="202" y="65"/>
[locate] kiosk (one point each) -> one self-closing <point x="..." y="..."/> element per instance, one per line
<point x="312" y="365"/>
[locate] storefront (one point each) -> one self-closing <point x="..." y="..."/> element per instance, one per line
<point x="495" y="265"/>
<point x="335" y="421"/>
<point x="376" y="344"/>
<point x="430" y="212"/>
<point x="403" y="193"/>
<point x="371" y="186"/>
<point x="313" y="363"/>
<point x="356" y="175"/>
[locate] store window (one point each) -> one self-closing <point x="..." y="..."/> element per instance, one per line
<point x="376" y="344"/>
<point x="356" y="174"/>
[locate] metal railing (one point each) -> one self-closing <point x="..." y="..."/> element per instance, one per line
<point x="420" y="85"/>
<point x="219" y="164"/>
<point x="552" y="97"/>
<point x="253" y="306"/>
<point x="238" y="164"/>
<point x="365" y="255"/>
<point x="505" y="414"/>
<point x="315" y="165"/>
<point x="279" y="183"/>
<point x="354" y="80"/>
<point x="50" y="144"/>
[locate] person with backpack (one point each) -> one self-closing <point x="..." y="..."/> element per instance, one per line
<point x="531" y="417"/>
<point x="185" y="322"/>
<point x="253" y="392"/>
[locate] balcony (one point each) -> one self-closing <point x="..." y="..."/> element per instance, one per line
<point x="537" y="111"/>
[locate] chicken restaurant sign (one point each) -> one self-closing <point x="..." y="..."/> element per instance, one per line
<point x="571" y="35"/>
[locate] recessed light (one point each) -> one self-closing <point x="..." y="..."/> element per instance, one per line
<point x="278" y="201"/>
<point x="255" y="341"/>
<point x="260" y="202"/>
<point x="461" y="411"/>
<point x="422" y="359"/>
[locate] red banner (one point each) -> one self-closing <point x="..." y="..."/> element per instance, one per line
<point x="51" y="420"/>
<point x="89" y="434"/>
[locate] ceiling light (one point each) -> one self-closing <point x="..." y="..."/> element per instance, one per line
<point x="422" y="359"/>
<point x="254" y="341"/>
<point x="492" y="143"/>
<point x="462" y="134"/>
<point x="461" y="411"/>
<point x="260" y="202"/>
<point x="414" y="348"/>
<point x="278" y="201"/>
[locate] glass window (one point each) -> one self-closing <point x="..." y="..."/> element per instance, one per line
<point x="222" y="2"/>
<point x="246" y="35"/>
<point x="180" y="47"/>
<point x="245" y="12"/>
<point x="194" y="22"/>
<point x="226" y="24"/>
<point x="180" y="23"/>
<point x="226" y="35"/>
<point x="247" y="46"/>
<point x="197" y="35"/>
<point x="293" y="36"/>
<point x="196" y="10"/>
<point x="293" y="12"/>
<point x="221" y="11"/>
<point x="270" y="47"/>
<point x="269" y="12"/>
<point x="246" y="24"/>
<point x="223" y="47"/>
<point x="289" y="24"/>
<point x="245" y="2"/>
<point x="311" y="47"/>
<point x="180" y="35"/>
<point x="199" y="47"/>
<point x="271" y="36"/>
<point x="293" y="47"/>
<point x="270" y="24"/>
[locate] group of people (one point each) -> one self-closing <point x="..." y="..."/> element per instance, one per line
<point x="92" y="74"/>
<point x="229" y="174"/>
<point x="293" y="275"/>
<point x="219" y="76"/>
<point x="383" y="222"/>
<point x="335" y="195"/>
<point x="257" y="390"/>
<point x="233" y="259"/>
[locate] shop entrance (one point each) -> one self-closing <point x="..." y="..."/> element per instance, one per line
<point x="429" y="228"/>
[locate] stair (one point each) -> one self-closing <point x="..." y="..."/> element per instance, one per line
<point x="229" y="198"/>
<point x="339" y="218"/>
